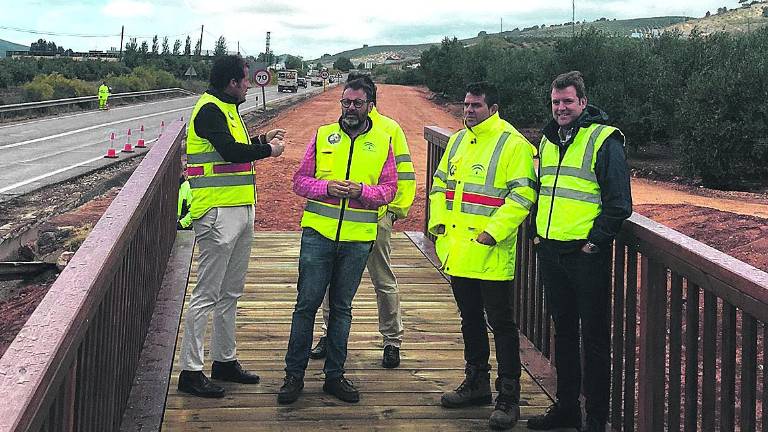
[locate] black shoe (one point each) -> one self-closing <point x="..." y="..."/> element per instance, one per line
<point x="342" y="388"/>
<point x="594" y="425"/>
<point x="319" y="351"/>
<point x="557" y="416"/>
<point x="233" y="372"/>
<point x="290" y="390"/>
<point x="391" y="357"/>
<point x="197" y="384"/>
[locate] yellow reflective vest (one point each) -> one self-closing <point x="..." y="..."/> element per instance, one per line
<point x="214" y="181"/>
<point x="485" y="182"/>
<point x="103" y="91"/>
<point x="185" y="199"/>
<point x="338" y="157"/>
<point x="569" y="196"/>
<point x="406" y="176"/>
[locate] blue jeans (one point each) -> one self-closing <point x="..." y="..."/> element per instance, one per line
<point x="338" y="266"/>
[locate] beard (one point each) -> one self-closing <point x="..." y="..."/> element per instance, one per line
<point x="351" y="121"/>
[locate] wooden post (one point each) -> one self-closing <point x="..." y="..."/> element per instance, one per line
<point x="653" y="310"/>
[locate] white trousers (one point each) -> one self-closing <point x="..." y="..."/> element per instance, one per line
<point x="224" y="236"/>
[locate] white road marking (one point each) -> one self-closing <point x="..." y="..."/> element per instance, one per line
<point x="52" y="173"/>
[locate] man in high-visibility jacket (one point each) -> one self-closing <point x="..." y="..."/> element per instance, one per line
<point x="379" y="265"/>
<point x="103" y="95"/>
<point x="221" y="177"/>
<point x="347" y="174"/>
<point x="482" y="192"/>
<point x="183" y="216"/>
<point x="584" y="196"/>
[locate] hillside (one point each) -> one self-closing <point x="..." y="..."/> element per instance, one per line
<point x="379" y="53"/>
<point x="732" y="21"/>
<point x="10" y="46"/>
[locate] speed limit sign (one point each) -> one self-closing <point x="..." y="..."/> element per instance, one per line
<point x="324" y="75"/>
<point x="261" y="77"/>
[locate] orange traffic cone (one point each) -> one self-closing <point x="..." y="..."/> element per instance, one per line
<point x="111" y="154"/>
<point x="128" y="148"/>
<point x="140" y="142"/>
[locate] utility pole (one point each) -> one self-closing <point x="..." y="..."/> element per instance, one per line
<point x="501" y="25"/>
<point x="573" y="18"/>
<point x="122" y="33"/>
<point x="201" y="40"/>
<point x="267" y="54"/>
<point x="238" y="47"/>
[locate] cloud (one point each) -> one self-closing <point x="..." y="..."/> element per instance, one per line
<point x="127" y="8"/>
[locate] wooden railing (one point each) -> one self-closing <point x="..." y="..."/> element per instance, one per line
<point x="72" y="364"/>
<point x="688" y="328"/>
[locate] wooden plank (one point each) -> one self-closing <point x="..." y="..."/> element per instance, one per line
<point x="406" y="398"/>
<point x="748" y="413"/>
<point x="691" y="357"/>
<point x="709" y="351"/>
<point x="630" y="333"/>
<point x="675" y="351"/>
<point x="617" y="367"/>
<point x="728" y="369"/>
<point x="653" y="308"/>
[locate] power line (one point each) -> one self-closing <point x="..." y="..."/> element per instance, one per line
<point x="38" y="32"/>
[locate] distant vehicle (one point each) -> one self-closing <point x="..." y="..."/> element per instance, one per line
<point x="302" y="82"/>
<point x="288" y="80"/>
<point x="316" y="80"/>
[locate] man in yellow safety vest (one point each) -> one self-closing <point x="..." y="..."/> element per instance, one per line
<point x="347" y="175"/>
<point x="584" y="196"/>
<point x="103" y="95"/>
<point x="482" y="191"/>
<point x="379" y="265"/>
<point x="220" y="155"/>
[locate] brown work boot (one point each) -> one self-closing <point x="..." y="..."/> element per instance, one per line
<point x="474" y="390"/>
<point x="507" y="411"/>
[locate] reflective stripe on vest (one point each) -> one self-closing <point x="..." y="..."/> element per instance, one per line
<point x="337" y="157"/>
<point x="354" y="215"/>
<point x="570" y="197"/>
<point x="483" y="199"/>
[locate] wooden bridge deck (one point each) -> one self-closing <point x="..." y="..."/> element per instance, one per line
<point x="406" y="398"/>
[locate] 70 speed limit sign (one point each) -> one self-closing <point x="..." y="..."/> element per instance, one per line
<point x="261" y="77"/>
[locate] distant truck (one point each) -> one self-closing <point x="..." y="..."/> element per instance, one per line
<point x="288" y="80"/>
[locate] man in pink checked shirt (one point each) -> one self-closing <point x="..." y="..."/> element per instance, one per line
<point x="348" y="172"/>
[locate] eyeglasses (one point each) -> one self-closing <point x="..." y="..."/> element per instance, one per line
<point x="346" y="103"/>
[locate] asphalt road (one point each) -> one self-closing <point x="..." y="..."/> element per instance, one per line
<point x="40" y="152"/>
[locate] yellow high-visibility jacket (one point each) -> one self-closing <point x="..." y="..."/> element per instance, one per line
<point x="485" y="182"/>
<point x="214" y="181"/>
<point x="570" y="197"/>
<point x="337" y="157"/>
<point x="406" y="176"/>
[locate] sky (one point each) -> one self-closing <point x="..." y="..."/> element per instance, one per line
<point x="305" y="28"/>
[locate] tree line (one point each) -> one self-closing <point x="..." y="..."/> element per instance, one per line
<point x="702" y="96"/>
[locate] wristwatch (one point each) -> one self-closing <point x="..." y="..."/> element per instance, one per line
<point x="591" y="247"/>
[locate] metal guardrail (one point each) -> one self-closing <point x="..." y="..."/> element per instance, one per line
<point x="72" y="365"/>
<point x="86" y="99"/>
<point x="682" y="313"/>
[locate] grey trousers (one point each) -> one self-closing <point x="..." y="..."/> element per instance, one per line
<point x="224" y="236"/>
<point x="384" y="284"/>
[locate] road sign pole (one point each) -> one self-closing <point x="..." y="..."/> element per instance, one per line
<point x="264" y="98"/>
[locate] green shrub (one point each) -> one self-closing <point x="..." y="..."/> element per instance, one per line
<point x="55" y="86"/>
<point x="723" y="115"/>
<point x="37" y="91"/>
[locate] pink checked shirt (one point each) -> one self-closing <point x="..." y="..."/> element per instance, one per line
<point x="372" y="197"/>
